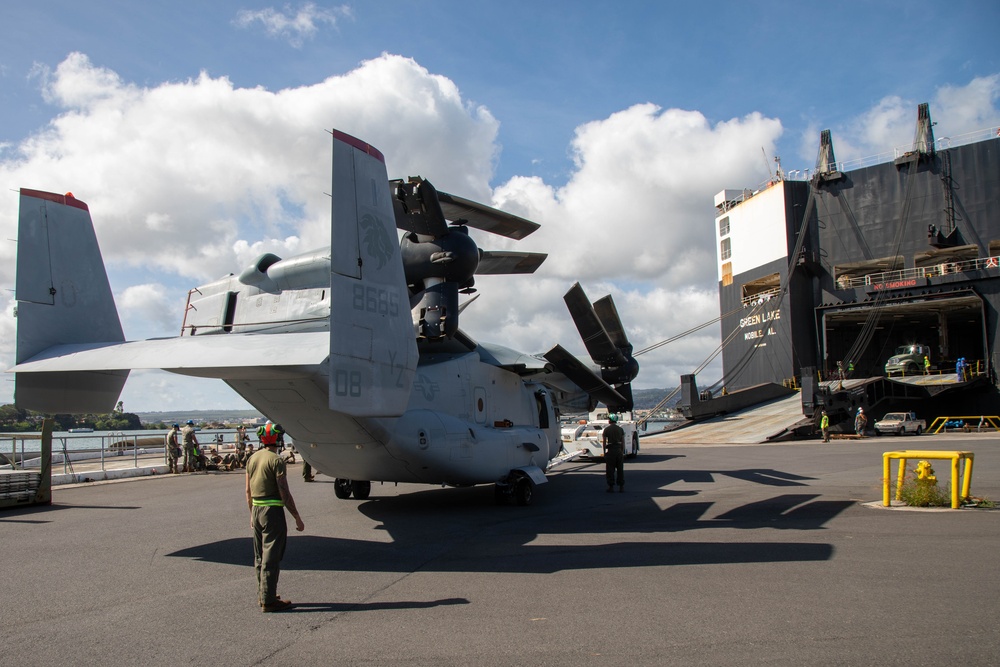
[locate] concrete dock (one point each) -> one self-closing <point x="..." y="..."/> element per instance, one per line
<point x="714" y="555"/>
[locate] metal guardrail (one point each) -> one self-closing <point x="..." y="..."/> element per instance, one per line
<point x="113" y="448"/>
<point x="983" y="422"/>
<point x="956" y="457"/>
<point x="922" y="272"/>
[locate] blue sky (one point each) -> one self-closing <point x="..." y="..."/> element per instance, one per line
<point x="194" y="131"/>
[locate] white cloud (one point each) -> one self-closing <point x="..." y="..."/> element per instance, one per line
<point x="188" y="181"/>
<point x="639" y="204"/>
<point x="294" y="25"/>
<point x="178" y="176"/>
<point x="150" y="309"/>
<point x="890" y="125"/>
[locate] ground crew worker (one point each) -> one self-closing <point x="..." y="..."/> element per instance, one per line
<point x="824" y="425"/>
<point x="927" y="365"/>
<point x="190" y="446"/>
<point x="268" y="434"/>
<point x="613" y="442"/>
<point x="241" y="446"/>
<point x="267" y="497"/>
<point x="860" y="421"/>
<point x="173" y="448"/>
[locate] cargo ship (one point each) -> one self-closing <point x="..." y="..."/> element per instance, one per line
<point x="826" y="278"/>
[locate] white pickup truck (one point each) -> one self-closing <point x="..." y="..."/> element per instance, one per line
<point x="900" y="423"/>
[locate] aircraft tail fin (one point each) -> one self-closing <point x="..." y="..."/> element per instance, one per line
<point x="373" y="350"/>
<point x="63" y="297"/>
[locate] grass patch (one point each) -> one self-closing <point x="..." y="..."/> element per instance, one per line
<point x="917" y="492"/>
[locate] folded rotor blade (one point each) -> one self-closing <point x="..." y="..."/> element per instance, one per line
<point x="584" y="378"/>
<point x="608" y="314"/>
<point x="485" y="217"/>
<point x="493" y="262"/>
<point x="599" y="345"/>
<point x="465" y="305"/>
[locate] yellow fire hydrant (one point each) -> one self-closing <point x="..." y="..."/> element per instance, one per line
<point x="925" y="473"/>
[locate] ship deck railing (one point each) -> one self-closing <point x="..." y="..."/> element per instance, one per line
<point x="942" y="269"/>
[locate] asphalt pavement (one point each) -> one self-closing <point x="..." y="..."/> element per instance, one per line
<point x="714" y="555"/>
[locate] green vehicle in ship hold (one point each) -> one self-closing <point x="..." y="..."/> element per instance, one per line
<point x="908" y="359"/>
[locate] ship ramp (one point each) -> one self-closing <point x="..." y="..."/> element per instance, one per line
<point x="750" y="426"/>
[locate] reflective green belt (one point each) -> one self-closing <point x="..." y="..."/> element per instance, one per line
<point x="268" y="502"/>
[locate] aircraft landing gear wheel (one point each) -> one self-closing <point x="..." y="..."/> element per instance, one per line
<point x="524" y="491"/>
<point x="343" y="488"/>
<point x="501" y="494"/>
<point x="635" y="446"/>
<point x="362" y="490"/>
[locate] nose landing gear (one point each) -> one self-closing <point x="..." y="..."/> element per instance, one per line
<point x="345" y="488"/>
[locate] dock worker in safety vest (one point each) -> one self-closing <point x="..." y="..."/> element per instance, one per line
<point x="267" y="497"/>
<point x="824" y="425"/>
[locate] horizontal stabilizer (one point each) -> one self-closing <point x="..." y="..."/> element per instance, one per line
<point x="228" y="356"/>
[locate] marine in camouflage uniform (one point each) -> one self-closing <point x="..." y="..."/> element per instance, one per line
<point x="267" y="497"/>
<point x="173" y="448"/>
<point x="190" y="446"/>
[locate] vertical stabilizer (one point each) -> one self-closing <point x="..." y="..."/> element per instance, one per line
<point x="373" y="353"/>
<point x="63" y="297"/>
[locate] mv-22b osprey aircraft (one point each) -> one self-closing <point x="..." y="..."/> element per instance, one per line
<point x="355" y="349"/>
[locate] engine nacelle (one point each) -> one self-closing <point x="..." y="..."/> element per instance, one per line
<point x="272" y="274"/>
<point x="453" y="257"/>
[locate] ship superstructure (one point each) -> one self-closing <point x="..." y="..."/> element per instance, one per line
<point x="822" y="278"/>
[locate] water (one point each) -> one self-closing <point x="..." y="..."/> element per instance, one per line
<point x="95" y="441"/>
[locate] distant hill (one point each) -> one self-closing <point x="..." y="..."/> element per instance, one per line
<point x="198" y="416"/>
<point x="645" y="399"/>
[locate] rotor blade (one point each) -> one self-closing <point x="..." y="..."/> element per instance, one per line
<point x="599" y="345"/>
<point x="493" y="262"/>
<point x="417" y="208"/>
<point x="485" y="217"/>
<point x="584" y="377"/>
<point x="465" y="305"/>
<point x="608" y="314"/>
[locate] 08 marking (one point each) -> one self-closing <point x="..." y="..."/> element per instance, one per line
<point x="347" y="383"/>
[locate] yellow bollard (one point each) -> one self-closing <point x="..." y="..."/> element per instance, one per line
<point x="954" y="456"/>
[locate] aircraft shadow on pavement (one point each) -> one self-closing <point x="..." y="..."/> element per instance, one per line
<point x="462" y="530"/>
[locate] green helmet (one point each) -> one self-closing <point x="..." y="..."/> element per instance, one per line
<point x="612" y="418"/>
